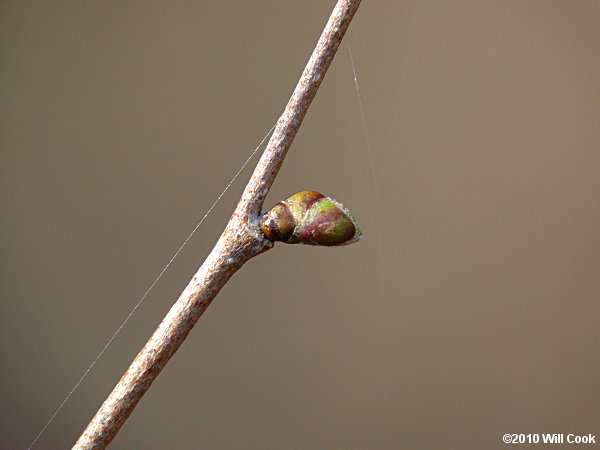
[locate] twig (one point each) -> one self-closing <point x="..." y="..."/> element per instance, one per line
<point x="241" y="241"/>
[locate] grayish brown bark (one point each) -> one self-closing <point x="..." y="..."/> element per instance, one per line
<point x="241" y="240"/>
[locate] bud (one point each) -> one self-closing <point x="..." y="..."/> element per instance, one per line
<point x="308" y="217"/>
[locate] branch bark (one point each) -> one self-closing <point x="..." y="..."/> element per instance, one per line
<point x="241" y="241"/>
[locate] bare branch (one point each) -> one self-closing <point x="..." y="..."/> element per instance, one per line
<point x="241" y="240"/>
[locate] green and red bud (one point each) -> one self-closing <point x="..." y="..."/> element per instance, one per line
<point x="308" y="217"/>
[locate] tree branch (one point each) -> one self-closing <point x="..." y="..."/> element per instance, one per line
<point x="241" y="241"/>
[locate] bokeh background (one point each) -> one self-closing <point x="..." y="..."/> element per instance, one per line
<point x="469" y="310"/>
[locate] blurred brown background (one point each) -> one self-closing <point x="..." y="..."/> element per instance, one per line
<point x="470" y="309"/>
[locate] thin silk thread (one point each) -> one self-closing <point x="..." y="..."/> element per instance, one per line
<point x="365" y="132"/>
<point x="373" y="174"/>
<point x="112" y="338"/>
